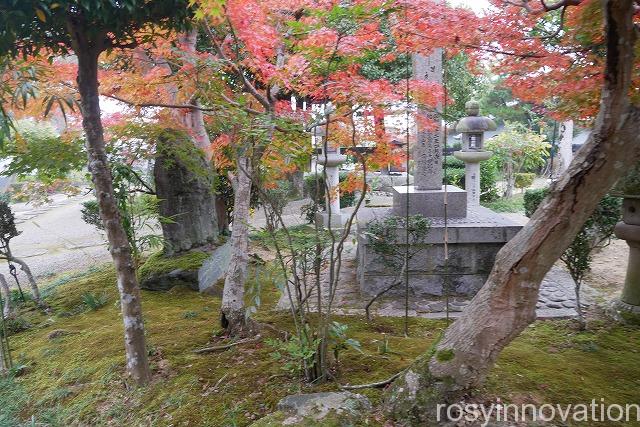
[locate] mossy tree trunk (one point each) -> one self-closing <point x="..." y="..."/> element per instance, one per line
<point x="35" y="291"/>
<point x="87" y="49"/>
<point x="507" y="302"/>
<point x="183" y="175"/>
<point x="7" y="309"/>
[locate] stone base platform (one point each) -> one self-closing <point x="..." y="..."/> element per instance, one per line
<point x="474" y="242"/>
<point x="338" y="220"/>
<point x="556" y="299"/>
<point x="430" y="202"/>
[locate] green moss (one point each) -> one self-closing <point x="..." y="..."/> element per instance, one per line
<point x="444" y="355"/>
<point x="513" y="204"/>
<point x="630" y="318"/>
<point x="78" y="378"/>
<point x="159" y="264"/>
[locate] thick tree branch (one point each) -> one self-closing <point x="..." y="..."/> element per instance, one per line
<point x="559" y="4"/>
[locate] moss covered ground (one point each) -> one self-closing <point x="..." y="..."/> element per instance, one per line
<point x="75" y="375"/>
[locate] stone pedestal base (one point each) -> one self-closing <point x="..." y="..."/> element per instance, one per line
<point x="630" y="314"/>
<point x="430" y="203"/>
<point x="474" y="242"/>
<point x="338" y="220"/>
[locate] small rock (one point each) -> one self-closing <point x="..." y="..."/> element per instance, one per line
<point x="166" y="281"/>
<point x="319" y="405"/>
<point x="57" y="334"/>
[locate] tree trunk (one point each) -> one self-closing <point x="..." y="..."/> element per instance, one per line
<point x="7" y="308"/>
<point x="222" y="216"/>
<point x="87" y="52"/>
<point x="3" y="363"/>
<point x="509" y="178"/>
<point x="184" y="185"/>
<point x="506" y="304"/>
<point x="35" y="292"/>
<point x="233" y="311"/>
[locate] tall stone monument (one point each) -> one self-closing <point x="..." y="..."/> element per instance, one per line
<point x="427" y="195"/>
<point x="474" y="234"/>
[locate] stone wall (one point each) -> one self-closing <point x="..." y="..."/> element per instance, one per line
<point x="473" y="244"/>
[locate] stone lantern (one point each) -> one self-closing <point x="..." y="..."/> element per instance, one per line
<point x="331" y="161"/>
<point x="629" y="230"/>
<point x="472" y="129"/>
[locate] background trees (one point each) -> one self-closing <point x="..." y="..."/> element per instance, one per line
<point x="517" y="150"/>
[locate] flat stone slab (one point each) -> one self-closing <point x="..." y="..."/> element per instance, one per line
<point x="430" y="203"/>
<point x="480" y="225"/>
<point x="214" y="268"/>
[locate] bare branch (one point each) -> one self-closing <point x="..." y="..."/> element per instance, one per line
<point x="238" y="72"/>
<point x="159" y="104"/>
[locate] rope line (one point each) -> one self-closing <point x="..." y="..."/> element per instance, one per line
<point x="408" y="154"/>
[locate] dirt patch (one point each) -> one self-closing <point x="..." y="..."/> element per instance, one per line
<point x="608" y="269"/>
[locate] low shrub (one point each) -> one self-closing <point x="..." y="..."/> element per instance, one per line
<point x="533" y="198"/>
<point x="93" y="302"/>
<point x="316" y="194"/>
<point x="488" y="181"/>
<point x="16" y="325"/>
<point x="524" y="180"/>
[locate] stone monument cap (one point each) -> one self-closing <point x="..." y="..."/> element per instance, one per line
<point x="472" y="108"/>
<point x="474" y="123"/>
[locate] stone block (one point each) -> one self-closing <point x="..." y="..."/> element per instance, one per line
<point x="214" y="269"/>
<point x="430" y="203"/>
<point x="338" y="220"/>
<point x="166" y="281"/>
<point x="474" y="242"/>
<point x="319" y="405"/>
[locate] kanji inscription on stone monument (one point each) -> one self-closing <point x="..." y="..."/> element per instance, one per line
<point x="428" y="148"/>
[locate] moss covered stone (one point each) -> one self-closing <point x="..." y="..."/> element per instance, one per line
<point x="160" y="272"/>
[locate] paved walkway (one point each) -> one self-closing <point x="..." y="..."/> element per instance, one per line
<point x="55" y="239"/>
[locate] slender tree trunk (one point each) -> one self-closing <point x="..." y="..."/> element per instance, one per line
<point x="507" y="302"/>
<point x="6" y="297"/>
<point x="233" y="310"/>
<point x="221" y="212"/>
<point x="35" y="292"/>
<point x="87" y="52"/>
<point x="3" y="363"/>
<point x="509" y="178"/>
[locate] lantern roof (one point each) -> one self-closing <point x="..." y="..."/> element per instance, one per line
<point x="474" y="123"/>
